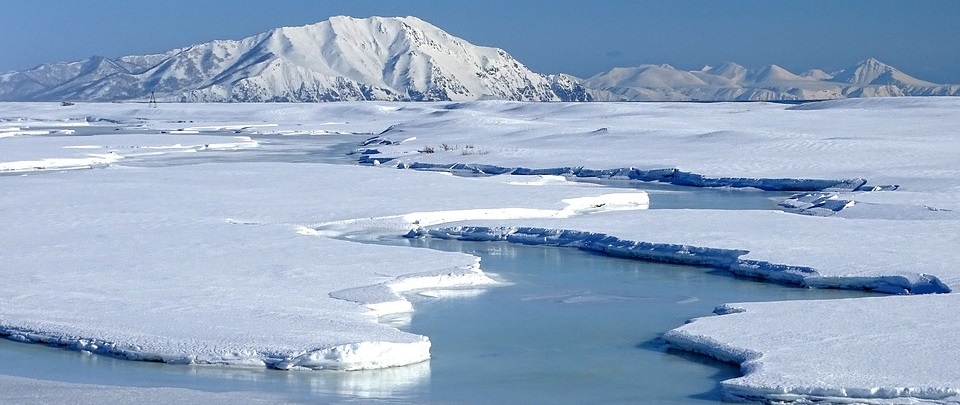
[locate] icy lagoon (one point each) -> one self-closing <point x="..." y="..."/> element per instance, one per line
<point x="572" y="327"/>
<point x="221" y="235"/>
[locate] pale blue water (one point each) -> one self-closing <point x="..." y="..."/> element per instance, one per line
<point x="573" y="327"/>
<point x="579" y="328"/>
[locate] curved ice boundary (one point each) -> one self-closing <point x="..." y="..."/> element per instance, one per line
<point x="671" y="176"/>
<point x="381" y="299"/>
<point x="817" y="197"/>
<point x="726" y="259"/>
<point x="356" y="350"/>
<point x="879" y="363"/>
<point x="348" y="357"/>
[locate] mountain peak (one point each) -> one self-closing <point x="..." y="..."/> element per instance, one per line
<point x="730" y="81"/>
<point x="864" y="72"/>
<point x="874" y="72"/>
<point x="872" y="62"/>
<point x="816" y="74"/>
<point x="408" y="59"/>
<point x="773" y="73"/>
<point x="729" y="70"/>
<point x="341" y="58"/>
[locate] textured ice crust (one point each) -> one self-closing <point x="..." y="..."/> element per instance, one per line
<point x="727" y="259"/>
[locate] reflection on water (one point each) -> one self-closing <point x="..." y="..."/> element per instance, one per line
<point x="46" y="363"/>
<point x="574" y="327"/>
<point x="569" y="327"/>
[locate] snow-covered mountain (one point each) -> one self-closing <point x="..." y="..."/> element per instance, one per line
<point x="342" y="58"/>
<point x="404" y="59"/>
<point x="730" y="81"/>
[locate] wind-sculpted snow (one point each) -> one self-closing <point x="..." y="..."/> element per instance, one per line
<point x="726" y="259"/>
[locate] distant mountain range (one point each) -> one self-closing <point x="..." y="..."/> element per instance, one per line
<point x="732" y="82"/>
<point x="407" y="59"/>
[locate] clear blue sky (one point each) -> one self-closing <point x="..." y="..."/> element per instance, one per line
<point x="581" y="37"/>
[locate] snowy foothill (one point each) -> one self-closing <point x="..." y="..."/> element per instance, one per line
<point x="128" y="259"/>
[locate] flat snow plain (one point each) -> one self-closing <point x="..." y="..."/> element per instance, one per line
<point x="180" y="247"/>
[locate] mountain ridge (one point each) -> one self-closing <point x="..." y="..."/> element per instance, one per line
<point x="342" y="58"/>
<point x="408" y="59"/>
<point x="732" y="82"/>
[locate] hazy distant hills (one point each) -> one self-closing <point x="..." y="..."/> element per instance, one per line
<point x="730" y="81"/>
<point x="407" y="59"/>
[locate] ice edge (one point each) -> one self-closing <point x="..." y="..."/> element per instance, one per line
<point x="380" y="299"/>
<point x="750" y="361"/>
<point x="817" y="197"/>
<point x="725" y="259"/>
<point x="669" y="175"/>
<point x="347" y="357"/>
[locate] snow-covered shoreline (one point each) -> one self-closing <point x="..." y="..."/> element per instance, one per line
<point x="131" y="258"/>
<point x="917" y="372"/>
<point x="724" y="259"/>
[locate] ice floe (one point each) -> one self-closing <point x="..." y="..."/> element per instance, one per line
<point x="868" y="350"/>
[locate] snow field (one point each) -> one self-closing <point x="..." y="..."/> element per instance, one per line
<point x="246" y="234"/>
<point x="215" y="263"/>
<point x="867" y="350"/>
<point x="897" y="236"/>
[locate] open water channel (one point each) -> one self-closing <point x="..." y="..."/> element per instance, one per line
<point x="569" y="327"/>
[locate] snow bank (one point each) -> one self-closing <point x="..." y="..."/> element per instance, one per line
<point x="881" y="144"/>
<point x="726" y="259"/>
<point x="671" y="176"/>
<point x="44" y="153"/>
<point x="866" y="350"/>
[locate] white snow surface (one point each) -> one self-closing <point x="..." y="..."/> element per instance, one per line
<point x="732" y="82"/>
<point x="340" y="59"/>
<point x="866" y="350"/>
<point x="129" y="259"/>
<point x="205" y="264"/>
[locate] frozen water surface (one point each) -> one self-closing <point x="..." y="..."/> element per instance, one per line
<point x="240" y="202"/>
<point x="571" y="327"/>
<point x="575" y="327"/>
